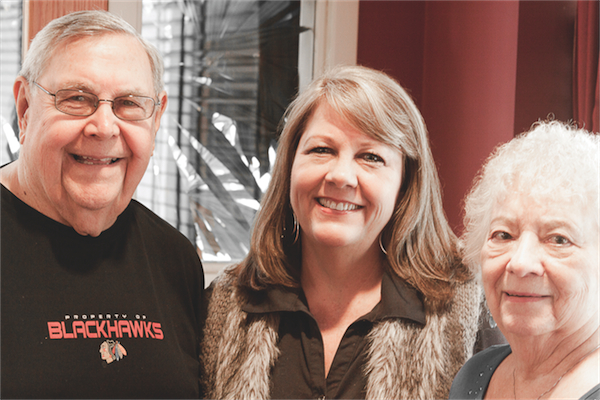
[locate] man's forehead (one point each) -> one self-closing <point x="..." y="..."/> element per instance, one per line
<point x="72" y="48"/>
<point x="91" y="40"/>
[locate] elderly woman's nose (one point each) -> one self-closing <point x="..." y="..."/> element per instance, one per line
<point x="526" y="258"/>
<point x="342" y="172"/>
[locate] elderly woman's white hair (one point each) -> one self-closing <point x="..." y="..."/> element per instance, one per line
<point x="553" y="160"/>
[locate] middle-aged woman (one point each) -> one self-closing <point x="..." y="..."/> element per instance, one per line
<point x="352" y="287"/>
<point x="532" y="223"/>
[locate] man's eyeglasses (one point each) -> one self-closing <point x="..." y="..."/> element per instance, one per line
<point x="83" y="104"/>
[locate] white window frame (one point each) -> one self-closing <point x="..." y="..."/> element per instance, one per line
<point x="334" y="36"/>
<point x="129" y="10"/>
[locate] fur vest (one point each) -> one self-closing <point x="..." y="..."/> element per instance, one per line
<point x="405" y="360"/>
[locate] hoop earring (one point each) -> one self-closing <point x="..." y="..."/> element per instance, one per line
<point x="295" y="228"/>
<point x="381" y="246"/>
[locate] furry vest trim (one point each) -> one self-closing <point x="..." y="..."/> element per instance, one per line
<point x="405" y="360"/>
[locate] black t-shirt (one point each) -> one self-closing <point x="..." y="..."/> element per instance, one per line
<point x="116" y="316"/>
<point x="299" y="372"/>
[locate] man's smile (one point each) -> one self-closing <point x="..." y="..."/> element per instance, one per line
<point x="95" y="161"/>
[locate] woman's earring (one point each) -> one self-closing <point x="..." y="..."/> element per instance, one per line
<point x="296" y="228"/>
<point x="381" y="246"/>
<point x="491" y="321"/>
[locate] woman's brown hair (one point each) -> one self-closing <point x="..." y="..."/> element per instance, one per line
<point x="421" y="247"/>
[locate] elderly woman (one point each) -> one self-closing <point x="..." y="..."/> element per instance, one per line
<point x="532" y="223"/>
<point x="352" y="287"/>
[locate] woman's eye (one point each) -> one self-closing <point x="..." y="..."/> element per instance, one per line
<point x="321" y="150"/>
<point x="501" y="235"/>
<point x="373" y="158"/>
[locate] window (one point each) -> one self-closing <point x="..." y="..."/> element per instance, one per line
<point x="231" y="69"/>
<point x="10" y="62"/>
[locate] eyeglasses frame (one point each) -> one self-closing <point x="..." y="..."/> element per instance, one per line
<point x="156" y="103"/>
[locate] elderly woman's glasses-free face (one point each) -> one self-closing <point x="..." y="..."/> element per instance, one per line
<point x="83" y="104"/>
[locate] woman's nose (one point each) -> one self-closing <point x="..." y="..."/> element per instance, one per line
<point x="342" y="172"/>
<point x="527" y="256"/>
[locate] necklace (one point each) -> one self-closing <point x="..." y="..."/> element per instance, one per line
<point x="555" y="383"/>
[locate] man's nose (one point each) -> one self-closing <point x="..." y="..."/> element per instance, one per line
<point x="103" y="122"/>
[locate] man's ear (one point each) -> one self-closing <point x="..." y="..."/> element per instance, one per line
<point x="162" y="97"/>
<point x="22" y="95"/>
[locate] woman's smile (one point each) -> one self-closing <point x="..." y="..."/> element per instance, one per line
<point x="518" y="297"/>
<point x="338" y="206"/>
<point x="344" y="183"/>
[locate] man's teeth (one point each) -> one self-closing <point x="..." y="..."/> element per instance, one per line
<point x="95" y="161"/>
<point x="338" y="206"/>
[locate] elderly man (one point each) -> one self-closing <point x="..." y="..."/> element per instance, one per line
<point x="100" y="297"/>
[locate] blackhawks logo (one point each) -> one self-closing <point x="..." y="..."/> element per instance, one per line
<point x="111" y="350"/>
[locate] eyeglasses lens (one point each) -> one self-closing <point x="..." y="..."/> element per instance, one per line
<point x="131" y="108"/>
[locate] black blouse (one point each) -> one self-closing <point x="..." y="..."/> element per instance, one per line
<point x="299" y="372"/>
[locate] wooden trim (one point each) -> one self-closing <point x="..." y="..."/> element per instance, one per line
<point x="37" y="13"/>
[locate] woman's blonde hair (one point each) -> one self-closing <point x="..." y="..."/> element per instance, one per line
<point x="421" y="247"/>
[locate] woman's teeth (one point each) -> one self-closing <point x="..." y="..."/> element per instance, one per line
<point x="338" y="206"/>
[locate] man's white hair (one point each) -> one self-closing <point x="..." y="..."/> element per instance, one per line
<point x="78" y="25"/>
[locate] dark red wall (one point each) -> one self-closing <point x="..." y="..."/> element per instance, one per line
<point x="391" y="38"/>
<point x="480" y="71"/>
<point x="545" y="62"/>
